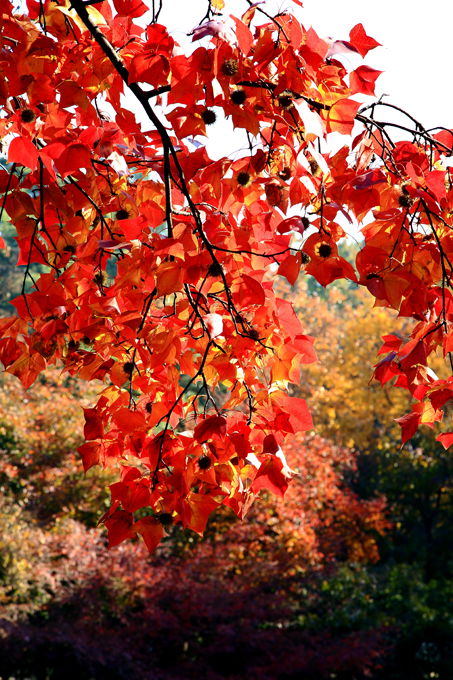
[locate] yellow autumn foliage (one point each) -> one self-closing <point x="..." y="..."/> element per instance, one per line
<point x="347" y="405"/>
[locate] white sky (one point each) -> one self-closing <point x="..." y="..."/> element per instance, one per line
<point x="416" y="38"/>
<point x="415" y="55"/>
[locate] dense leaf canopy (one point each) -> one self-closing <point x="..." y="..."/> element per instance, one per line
<point x="150" y="266"/>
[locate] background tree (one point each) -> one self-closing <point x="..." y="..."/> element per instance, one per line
<point x="347" y="408"/>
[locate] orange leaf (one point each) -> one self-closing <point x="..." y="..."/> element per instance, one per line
<point x="90" y="454"/>
<point x="363" y="79"/>
<point x="27" y="368"/>
<point x="446" y="439"/>
<point x="169" y="278"/>
<point x="290" y="268"/>
<point x="129" y="421"/>
<point x="94" y="424"/>
<point x="209" y="427"/>
<point x="250" y="292"/>
<point x="409" y="425"/>
<point x="22" y="151"/>
<point x="197" y="509"/>
<point x="151" y="530"/>
<point x="119" y="527"/>
<point x="271" y="477"/>
<point x="74" y="157"/>
<point x="149" y="67"/>
<point x="341" y="116"/>
<point x="244" y="35"/>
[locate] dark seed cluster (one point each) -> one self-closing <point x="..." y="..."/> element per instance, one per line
<point x="209" y="116"/>
<point x="215" y="269"/>
<point x="325" y="250"/>
<point x="27" y="116"/>
<point x="230" y="67"/>
<point x="204" y="463"/>
<point x="128" y="368"/>
<point x="165" y="519"/>
<point x="238" y="97"/>
<point x="243" y="178"/>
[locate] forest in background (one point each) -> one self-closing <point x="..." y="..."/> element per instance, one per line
<point x="348" y="577"/>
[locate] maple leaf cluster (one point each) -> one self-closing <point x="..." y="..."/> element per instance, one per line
<point x="150" y="266"/>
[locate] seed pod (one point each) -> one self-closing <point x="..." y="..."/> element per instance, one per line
<point x="215" y="269"/>
<point x="204" y="463"/>
<point x="405" y="200"/>
<point x="128" y="368"/>
<point x="314" y="167"/>
<point x="285" y="173"/>
<point x="324" y="250"/>
<point x="243" y="178"/>
<point x="230" y="67"/>
<point x="27" y="116"/>
<point x="209" y="116"/>
<point x="165" y="518"/>
<point x="238" y="97"/>
<point x="285" y="100"/>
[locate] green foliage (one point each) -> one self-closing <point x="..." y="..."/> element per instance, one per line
<point x="418" y="484"/>
<point x="10" y="275"/>
<point x="415" y="614"/>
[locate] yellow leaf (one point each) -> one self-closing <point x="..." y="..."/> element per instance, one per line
<point x="94" y="14"/>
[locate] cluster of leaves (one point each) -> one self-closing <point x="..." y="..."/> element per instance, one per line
<point x="159" y="261"/>
<point x="319" y="521"/>
<point x="43" y="488"/>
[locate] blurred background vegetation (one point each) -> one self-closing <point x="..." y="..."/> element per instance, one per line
<point x="350" y="577"/>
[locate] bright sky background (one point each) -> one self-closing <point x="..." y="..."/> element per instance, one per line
<point x="415" y="56"/>
<point x="416" y="38"/>
<point x="416" y="53"/>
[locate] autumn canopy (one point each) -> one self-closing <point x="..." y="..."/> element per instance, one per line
<point x="152" y="268"/>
